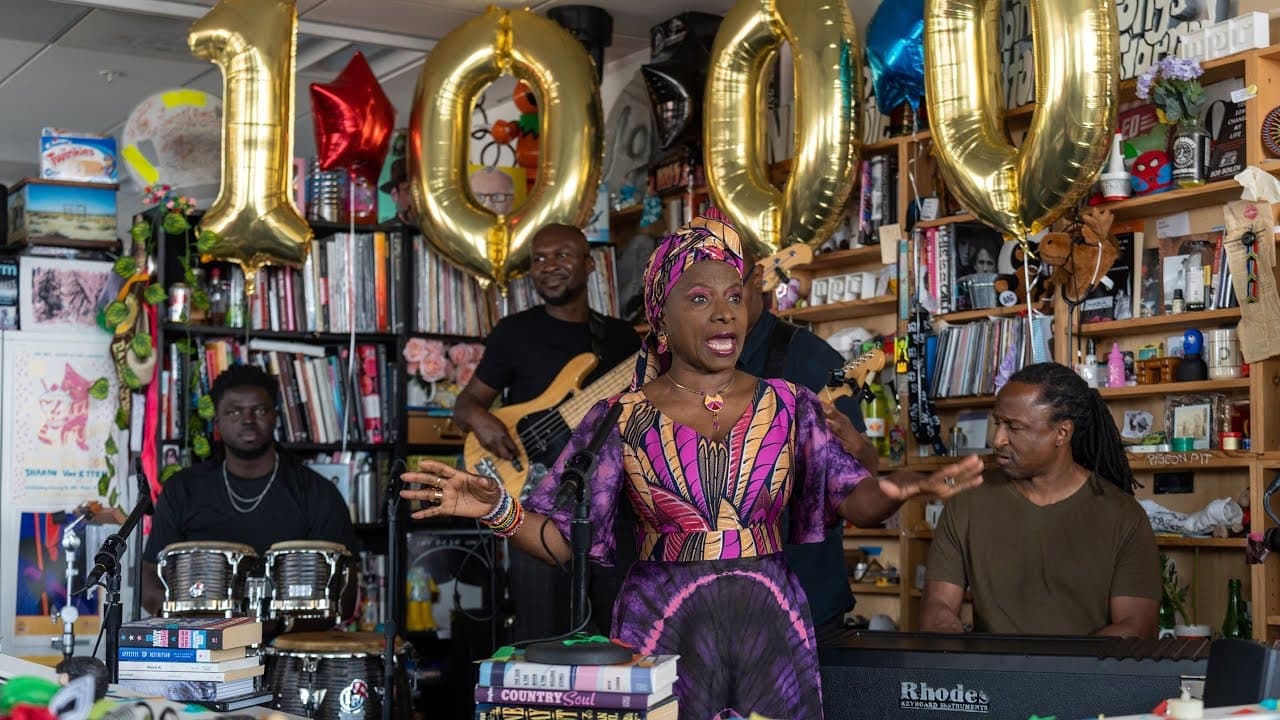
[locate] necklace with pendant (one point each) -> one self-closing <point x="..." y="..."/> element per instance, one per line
<point x="713" y="401"/>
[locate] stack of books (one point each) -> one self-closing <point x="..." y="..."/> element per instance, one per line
<point x="511" y="687"/>
<point x="194" y="659"/>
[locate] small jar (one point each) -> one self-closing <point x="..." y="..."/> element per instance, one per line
<point x="1230" y="440"/>
<point x="1176" y="305"/>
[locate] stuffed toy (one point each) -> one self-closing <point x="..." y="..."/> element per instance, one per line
<point x="1080" y="262"/>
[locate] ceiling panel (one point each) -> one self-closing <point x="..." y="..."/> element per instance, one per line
<point x="37" y="20"/>
<point x="397" y="16"/>
<point x="13" y="53"/>
<point x="62" y="87"/>
<point x="149" y="36"/>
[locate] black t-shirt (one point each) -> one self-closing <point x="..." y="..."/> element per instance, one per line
<point x="301" y="505"/>
<point x="526" y="351"/>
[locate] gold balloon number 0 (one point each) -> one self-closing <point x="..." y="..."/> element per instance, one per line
<point x="828" y="76"/>
<point x="1019" y="191"/>
<point x="253" y="218"/>
<point x="571" y="145"/>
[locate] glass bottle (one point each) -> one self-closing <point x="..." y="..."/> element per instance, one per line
<point x="1168" y="616"/>
<point x="1190" y="152"/>
<point x="1234" y="624"/>
<point x="875" y="415"/>
<point x="217" y="298"/>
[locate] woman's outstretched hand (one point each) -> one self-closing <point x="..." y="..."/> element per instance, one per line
<point x="448" y="491"/>
<point x="943" y="483"/>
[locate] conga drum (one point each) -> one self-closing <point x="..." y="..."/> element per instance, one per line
<point x="307" y="580"/>
<point x="332" y="675"/>
<point x="205" y="577"/>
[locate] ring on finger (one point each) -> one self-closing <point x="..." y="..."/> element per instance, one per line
<point x="949" y="481"/>
<point x="439" y="495"/>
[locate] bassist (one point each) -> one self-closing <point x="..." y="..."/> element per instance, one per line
<point x="523" y="355"/>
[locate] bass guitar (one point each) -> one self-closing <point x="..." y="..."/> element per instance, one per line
<point x="850" y="379"/>
<point x="541" y="426"/>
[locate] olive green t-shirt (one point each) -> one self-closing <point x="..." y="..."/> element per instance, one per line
<point x="1045" y="570"/>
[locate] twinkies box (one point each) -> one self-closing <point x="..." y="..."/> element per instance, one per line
<point x="66" y="214"/>
<point x="77" y="156"/>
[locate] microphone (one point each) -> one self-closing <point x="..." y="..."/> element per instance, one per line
<point x="582" y="465"/>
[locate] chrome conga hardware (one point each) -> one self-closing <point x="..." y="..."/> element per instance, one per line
<point x="307" y="579"/>
<point x="332" y="675"/>
<point x="205" y="577"/>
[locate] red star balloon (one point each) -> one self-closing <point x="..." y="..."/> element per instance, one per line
<point x="353" y="118"/>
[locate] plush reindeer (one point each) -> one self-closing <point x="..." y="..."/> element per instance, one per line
<point x="1079" y="263"/>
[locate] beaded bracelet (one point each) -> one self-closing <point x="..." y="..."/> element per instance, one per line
<point x="507" y="529"/>
<point x="507" y="515"/>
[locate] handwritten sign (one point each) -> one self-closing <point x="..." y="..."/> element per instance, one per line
<point x="1180" y="458"/>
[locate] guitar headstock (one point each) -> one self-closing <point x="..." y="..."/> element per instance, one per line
<point x="852" y="376"/>
<point x="775" y="266"/>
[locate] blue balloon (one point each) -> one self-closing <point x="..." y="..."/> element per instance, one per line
<point x="895" y="52"/>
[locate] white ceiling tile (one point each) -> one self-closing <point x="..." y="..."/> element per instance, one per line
<point x="37" y="20"/>
<point x="61" y="87"/>
<point x="13" y="53"/>
<point x="150" y="36"/>
<point x="398" y="16"/>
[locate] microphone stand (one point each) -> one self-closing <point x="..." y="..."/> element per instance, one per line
<point x="394" y="597"/>
<point x="107" y="562"/>
<point x="573" y="487"/>
<point x="69" y="614"/>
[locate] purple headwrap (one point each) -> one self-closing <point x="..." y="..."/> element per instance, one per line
<point x="706" y="237"/>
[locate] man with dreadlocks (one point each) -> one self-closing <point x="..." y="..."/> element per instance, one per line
<point x="1055" y="544"/>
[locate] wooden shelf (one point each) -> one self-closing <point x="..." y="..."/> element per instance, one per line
<point x="1173" y="201"/>
<point x="948" y="220"/>
<point x="1192" y="459"/>
<point x="964" y="401"/>
<point x="1192" y="386"/>
<point x="843" y="310"/>
<point x="860" y="588"/>
<point x="882" y="146"/>
<point x="1194" y="542"/>
<point x="626" y="213"/>
<point x="852" y="532"/>
<point x="1159" y="323"/>
<point x="863" y="255"/>
<point x="176" y="330"/>
<point x="971" y="315"/>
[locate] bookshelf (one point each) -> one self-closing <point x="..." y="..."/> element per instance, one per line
<point x="1217" y="473"/>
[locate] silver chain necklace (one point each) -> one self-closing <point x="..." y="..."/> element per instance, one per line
<point x="237" y="501"/>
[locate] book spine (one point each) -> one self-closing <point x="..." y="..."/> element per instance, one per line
<point x="626" y="679"/>
<point x="166" y="655"/>
<point x="208" y="669"/>
<point x="561" y="698"/>
<point x="534" y="712"/>
<point x="181" y="639"/>
<point x="188" y="675"/>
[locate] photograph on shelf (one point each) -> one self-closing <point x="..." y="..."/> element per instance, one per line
<point x="1194" y="416"/>
<point x="1151" y="298"/>
<point x="59" y="293"/>
<point x="1137" y="425"/>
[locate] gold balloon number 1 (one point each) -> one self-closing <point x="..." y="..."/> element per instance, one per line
<point x="828" y="76"/>
<point x="1019" y="191"/>
<point x="253" y="218"/>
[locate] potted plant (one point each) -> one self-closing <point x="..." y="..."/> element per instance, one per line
<point x="1173" y="85"/>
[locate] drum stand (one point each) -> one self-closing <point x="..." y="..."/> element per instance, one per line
<point x="107" y="562"/>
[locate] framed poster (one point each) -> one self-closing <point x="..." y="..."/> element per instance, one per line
<point x="63" y="294"/>
<point x="53" y="436"/>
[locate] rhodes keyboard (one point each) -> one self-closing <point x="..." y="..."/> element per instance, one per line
<point x="922" y="676"/>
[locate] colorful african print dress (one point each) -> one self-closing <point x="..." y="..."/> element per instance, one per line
<point x="713" y="586"/>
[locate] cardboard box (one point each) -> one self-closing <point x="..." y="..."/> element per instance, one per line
<point x="66" y="214"/>
<point x="77" y="156"/>
<point x="427" y="429"/>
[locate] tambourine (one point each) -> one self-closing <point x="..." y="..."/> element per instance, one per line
<point x="1271" y="132"/>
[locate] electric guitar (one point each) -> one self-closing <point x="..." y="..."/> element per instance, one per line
<point x="541" y="426"/>
<point x="850" y="379"/>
